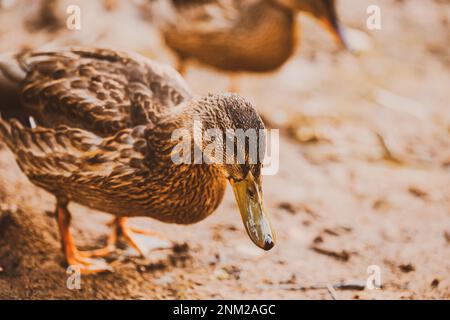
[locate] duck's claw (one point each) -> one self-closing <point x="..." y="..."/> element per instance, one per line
<point x="143" y="241"/>
<point x="88" y="265"/>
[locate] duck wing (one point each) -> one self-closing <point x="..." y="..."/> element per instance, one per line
<point x="99" y="90"/>
<point x="65" y="159"/>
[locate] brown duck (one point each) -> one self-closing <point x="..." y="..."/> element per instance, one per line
<point x="237" y="35"/>
<point x="101" y="135"/>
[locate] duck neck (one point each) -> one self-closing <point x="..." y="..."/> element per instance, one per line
<point x="206" y="181"/>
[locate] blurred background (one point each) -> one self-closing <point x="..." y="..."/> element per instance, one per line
<point x="364" y="166"/>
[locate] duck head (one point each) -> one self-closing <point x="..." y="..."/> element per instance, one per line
<point x="239" y="156"/>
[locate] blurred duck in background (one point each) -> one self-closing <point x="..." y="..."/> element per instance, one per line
<point x="235" y="36"/>
<point x="238" y="36"/>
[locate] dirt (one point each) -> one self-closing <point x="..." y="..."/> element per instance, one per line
<point x="363" y="180"/>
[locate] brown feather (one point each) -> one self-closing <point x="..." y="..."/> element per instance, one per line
<point x="113" y="154"/>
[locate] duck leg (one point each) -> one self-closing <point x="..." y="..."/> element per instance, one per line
<point x="143" y="241"/>
<point x="84" y="260"/>
<point x="234" y="83"/>
<point x="181" y="66"/>
<point x="110" y="5"/>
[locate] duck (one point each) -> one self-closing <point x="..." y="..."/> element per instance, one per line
<point x="101" y="134"/>
<point x="238" y="36"/>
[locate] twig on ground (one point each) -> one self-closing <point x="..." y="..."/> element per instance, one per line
<point x="388" y="155"/>
<point x="332" y="292"/>
<point x="341" y="256"/>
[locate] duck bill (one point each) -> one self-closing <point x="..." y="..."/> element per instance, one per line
<point x="248" y="193"/>
<point x="332" y="25"/>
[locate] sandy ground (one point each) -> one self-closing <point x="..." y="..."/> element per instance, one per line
<point x="364" y="172"/>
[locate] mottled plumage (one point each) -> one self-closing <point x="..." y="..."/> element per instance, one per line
<point x="103" y="136"/>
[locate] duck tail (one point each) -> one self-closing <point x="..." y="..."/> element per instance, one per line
<point x="13" y="71"/>
<point x="5" y="133"/>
